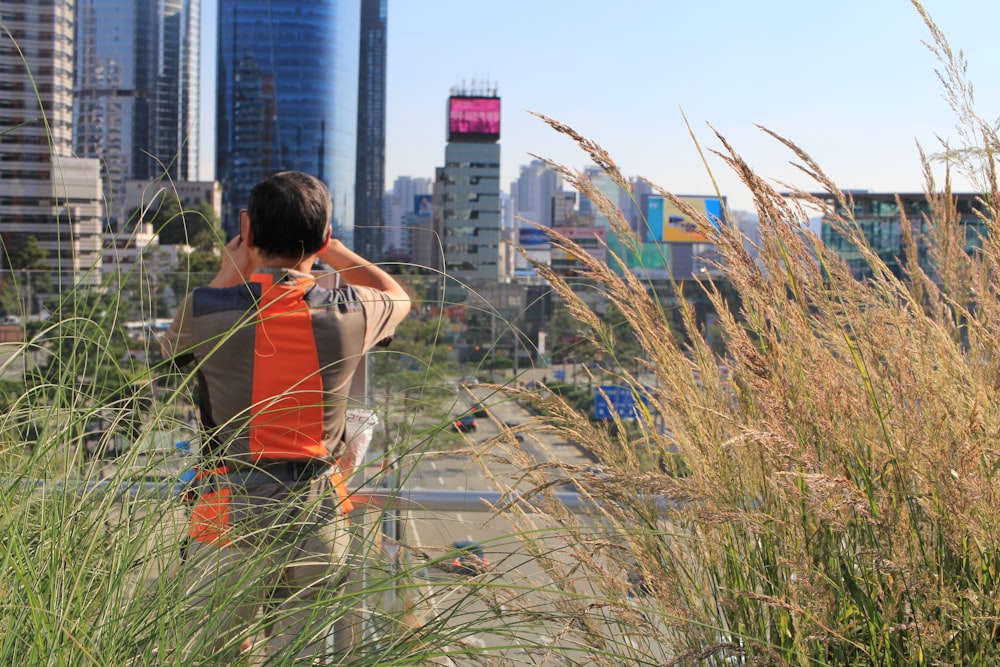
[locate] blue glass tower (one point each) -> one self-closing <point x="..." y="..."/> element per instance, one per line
<point x="287" y="85"/>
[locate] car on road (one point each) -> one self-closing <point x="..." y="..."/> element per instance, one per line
<point x="479" y="410"/>
<point x="470" y="380"/>
<point x="467" y="559"/>
<point x="465" y="423"/>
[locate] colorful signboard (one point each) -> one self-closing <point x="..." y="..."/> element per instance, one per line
<point x="667" y="223"/>
<point x="475" y="117"/>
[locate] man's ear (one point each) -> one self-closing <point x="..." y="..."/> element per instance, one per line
<point x="329" y="235"/>
<point x="246" y="232"/>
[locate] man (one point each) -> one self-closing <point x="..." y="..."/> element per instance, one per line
<point x="274" y="355"/>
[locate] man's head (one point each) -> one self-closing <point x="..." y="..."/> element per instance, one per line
<point x="289" y="215"/>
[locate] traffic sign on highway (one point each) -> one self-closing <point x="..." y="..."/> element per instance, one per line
<point x="612" y="397"/>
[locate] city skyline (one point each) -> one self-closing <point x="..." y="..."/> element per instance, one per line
<point x="836" y="82"/>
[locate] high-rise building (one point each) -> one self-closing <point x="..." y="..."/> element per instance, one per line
<point x="369" y="224"/>
<point x="406" y="206"/>
<point x="287" y="98"/>
<point x="531" y="194"/>
<point x="533" y="199"/>
<point x="45" y="192"/>
<point x="136" y="94"/>
<point x="470" y="189"/>
<point x="603" y="183"/>
<point x="426" y="232"/>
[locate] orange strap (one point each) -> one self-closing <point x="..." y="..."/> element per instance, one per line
<point x="340" y="484"/>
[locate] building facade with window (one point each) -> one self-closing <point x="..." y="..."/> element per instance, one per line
<point x="45" y="192"/>
<point x="880" y="218"/>
<point x="371" y="239"/>
<point x="469" y="187"/>
<point x="136" y="93"/>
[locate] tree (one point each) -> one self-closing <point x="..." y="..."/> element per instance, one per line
<point x="563" y="335"/>
<point x="175" y="225"/>
<point x="199" y="265"/>
<point x="409" y="376"/>
<point x="24" y="256"/>
<point x="23" y="252"/>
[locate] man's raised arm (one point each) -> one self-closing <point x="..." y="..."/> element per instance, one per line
<point x="356" y="270"/>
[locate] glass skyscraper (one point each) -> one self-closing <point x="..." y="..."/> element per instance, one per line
<point x="287" y="87"/>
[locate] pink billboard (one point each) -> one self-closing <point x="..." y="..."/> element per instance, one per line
<point x="478" y="116"/>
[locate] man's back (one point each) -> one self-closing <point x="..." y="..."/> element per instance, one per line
<point x="276" y="358"/>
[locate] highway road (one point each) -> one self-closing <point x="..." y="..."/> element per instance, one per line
<point x="501" y="595"/>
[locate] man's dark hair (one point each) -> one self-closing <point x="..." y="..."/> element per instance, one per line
<point x="289" y="214"/>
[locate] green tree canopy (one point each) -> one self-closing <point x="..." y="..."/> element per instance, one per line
<point x="23" y="251"/>
<point x="175" y="225"/>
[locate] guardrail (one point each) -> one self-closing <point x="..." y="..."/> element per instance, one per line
<point x="406" y="499"/>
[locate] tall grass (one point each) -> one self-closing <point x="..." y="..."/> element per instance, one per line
<point x="839" y="502"/>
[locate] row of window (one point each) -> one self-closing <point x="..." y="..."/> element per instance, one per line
<point x="21" y="34"/>
<point x="455" y="267"/>
<point x="469" y="196"/>
<point x="42" y="87"/>
<point x="461" y="231"/>
<point x="24" y="140"/>
<point x="472" y="180"/>
<point x="43" y="52"/>
<point x="39" y="72"/>
<point x="457" y="249"/>
<point x="472" y="165"/>
<point x="469" y="214"/>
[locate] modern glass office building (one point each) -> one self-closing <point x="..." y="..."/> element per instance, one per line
<point x="879" y="216"/>
<point x="287" y="96"/>
<point x="136" y="94"/>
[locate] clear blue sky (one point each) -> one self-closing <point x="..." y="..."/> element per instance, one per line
<point x="850" y="81"/>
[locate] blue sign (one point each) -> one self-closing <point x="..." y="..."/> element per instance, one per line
<point x="528" y="237"/>
<point x="652" y="232"/>
<point x="619" y="399"/>
<point x="716" y="214"/>
<point x="423" y="205"/>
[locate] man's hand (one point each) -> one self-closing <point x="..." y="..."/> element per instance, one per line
<point x="236" y="265"/>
